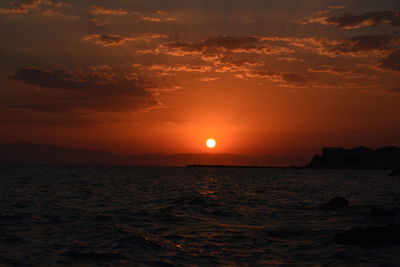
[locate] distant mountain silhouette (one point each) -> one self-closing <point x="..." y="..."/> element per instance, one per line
<point x="47" y="154"/>
<point x="357" y="158"/>
<point x="25" y="153"/>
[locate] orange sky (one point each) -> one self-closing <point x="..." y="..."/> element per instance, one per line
<point x="261" y="77"/>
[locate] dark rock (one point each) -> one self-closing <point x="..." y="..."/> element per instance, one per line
<point x="356" y="158"/>
<point x="337" y="202"/>
<point x="381" y="213"/>
<point x="370" y="236"/>
<point x="395" y="172"/>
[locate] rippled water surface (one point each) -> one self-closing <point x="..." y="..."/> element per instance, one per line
<point x="131" y="216"/>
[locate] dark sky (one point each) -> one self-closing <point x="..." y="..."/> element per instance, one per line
<point x="144" y="76"/>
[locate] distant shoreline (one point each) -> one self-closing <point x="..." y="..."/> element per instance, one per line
<point x="182" y="166"/>
<point x="235" y="166"/>
<point x="329" y="158"/>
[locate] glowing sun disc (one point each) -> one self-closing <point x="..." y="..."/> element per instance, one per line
<point x="211" y="143"/>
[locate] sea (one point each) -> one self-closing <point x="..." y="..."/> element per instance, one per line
<point x="164" y="216"/>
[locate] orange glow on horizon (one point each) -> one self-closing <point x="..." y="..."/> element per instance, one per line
<point x="257" y="89"/>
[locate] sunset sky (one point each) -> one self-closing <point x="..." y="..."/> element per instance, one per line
<point x="277" y="77"/>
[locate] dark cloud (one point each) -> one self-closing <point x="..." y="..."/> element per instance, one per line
<point x="98" y="89"/>
<point x="163" y="69"/>
<point x="358" y="46"/>
<point x="106" y="39"/>
<point x="218" y="45"/>
<point x="394" y="91"/>
<point x="99" y="10"/>
<point x="331" y="70"/>
<point x="13" y="10"/>
<point x="159" y="16"/>
<point x="365" y="44"/>
<point x="349" y="21"/>
<point x="117" y="40"/>
<point x="391" y="62"/>
<point x="24" y="6"/>
<point x="43" y="6"/>
<point x="295" y="79"/>
<point x="282" y="78"/>
<point x="225" y="43"/>
<point x="217" y="48"/>
<point x="230" y="42"/>
<point x="224" y="53"/>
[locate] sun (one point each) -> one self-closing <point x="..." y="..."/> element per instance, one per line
<point x="211" y="143"/>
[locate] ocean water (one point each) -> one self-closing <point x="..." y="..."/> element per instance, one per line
<point x="134" y="216"/>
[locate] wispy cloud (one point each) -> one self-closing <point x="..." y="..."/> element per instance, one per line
<point x="43" y="6"/>
<point x="332" y="70"/>
<point x="218" y="45"/>
<point x="117" y="40"/>
<point x="391" y="62"/>
<point x="349" y="21"/>
<point x="99" y="89"/>
<point x="99" y="10"/>
<point x="159" y="16"/>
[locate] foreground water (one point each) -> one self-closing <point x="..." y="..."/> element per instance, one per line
<point x="130" y="216"/>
